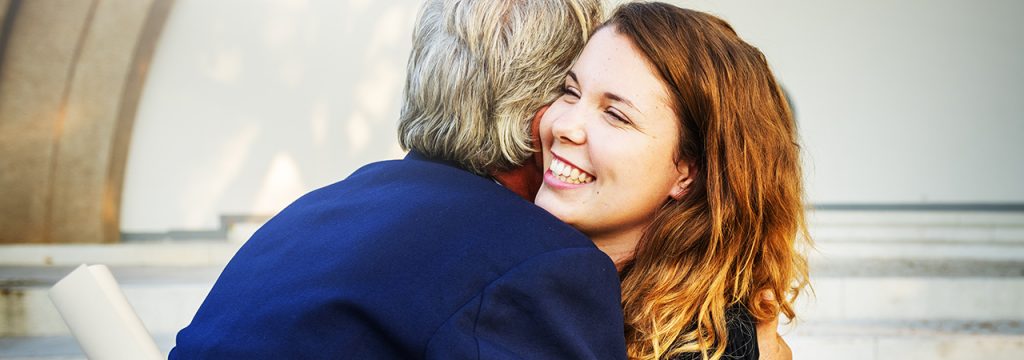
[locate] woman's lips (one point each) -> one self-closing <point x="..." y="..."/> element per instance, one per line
<point x="568" y="173"/>
<point x="562" y="174"/>
<point x="553" y="181"/>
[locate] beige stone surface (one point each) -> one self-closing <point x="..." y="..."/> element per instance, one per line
<point x="39" y="55"/>
<point x="83" y="157"/>
<point x="4" y="5"/>
<point x="68" y="68"/>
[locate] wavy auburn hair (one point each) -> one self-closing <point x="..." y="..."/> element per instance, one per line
<point x="740" y="227"/>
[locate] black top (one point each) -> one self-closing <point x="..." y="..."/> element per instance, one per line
<point x="742" y="343"/>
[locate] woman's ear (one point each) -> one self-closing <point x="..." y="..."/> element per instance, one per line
<point x="682" y="185"/>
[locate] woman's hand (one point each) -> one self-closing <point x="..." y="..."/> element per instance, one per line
<point x="770" y="344"/>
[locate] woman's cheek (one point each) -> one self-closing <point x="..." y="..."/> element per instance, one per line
<point x="545" y="127"/>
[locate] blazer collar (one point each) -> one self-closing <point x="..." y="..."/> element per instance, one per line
<point x="416" y="155"/>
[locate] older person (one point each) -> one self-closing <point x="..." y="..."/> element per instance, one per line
<point x="428" y="257"/>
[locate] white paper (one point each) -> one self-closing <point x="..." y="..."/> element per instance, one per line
<point x="100" y="317"/>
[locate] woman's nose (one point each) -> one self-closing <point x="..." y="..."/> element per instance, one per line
<point x="569" y="128"/>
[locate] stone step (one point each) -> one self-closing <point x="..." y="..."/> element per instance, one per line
<point x="144" y="253"/>
<point x="166" y="298"/>
<point x="839" y="250"/>
<point x="58" y="347"/>
<point x="918" y="233"/>
<point x="917" y="226"/>
<point x="917" y="298"/>
<point x="915" y="218"/>
<point x="849" y="267"/>
<point x="834" y="340"/>
<point x="892" y="340"/>
<point x="838" y="234"/>
<point x="219" y="252"/>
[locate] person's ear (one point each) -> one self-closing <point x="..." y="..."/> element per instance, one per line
<point x="682" y="184"/>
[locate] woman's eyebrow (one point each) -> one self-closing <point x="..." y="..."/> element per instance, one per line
<point x="608" y="95"/>
<point x="616" y="97"/>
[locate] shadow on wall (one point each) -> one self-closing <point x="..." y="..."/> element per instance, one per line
<point x="248" y="106"/>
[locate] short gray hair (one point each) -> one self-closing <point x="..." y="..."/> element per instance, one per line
<point x="480" y="69"/>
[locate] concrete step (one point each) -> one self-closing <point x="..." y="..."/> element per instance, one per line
<point x="886" y="286"/>
<point x="837" y="235"/>
<point x="144" y="253"/>
<point x="219" y="252"/>
<point x="829" y="250"/>
<point x="916" y="218"/>
<point x="165" y="298"/>
<point x="892" y="340"/>
<point x="917" y="226"/>
<point x="165" y="281"/>
<point x="57" y="347"/>
<point x="913" y="299"/>
<point x="834" y="340"/>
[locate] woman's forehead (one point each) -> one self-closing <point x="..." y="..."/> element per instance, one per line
<point x="611" y="62"/>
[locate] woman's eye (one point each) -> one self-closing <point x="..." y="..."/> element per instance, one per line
<point x="570" y="91"/>
<point x="618" y="117"/>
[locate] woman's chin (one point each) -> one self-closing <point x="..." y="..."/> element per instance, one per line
<point x="551" y="202"/>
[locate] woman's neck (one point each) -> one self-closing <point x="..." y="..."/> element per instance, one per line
<point x="619" y="247"/>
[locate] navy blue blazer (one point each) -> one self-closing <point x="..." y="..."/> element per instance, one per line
<point x="409" y="259"/>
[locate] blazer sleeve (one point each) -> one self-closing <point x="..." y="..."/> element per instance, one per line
<point x="563" y="304"/>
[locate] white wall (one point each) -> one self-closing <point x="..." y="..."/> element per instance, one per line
<point x="899" y="101"/>
<point x="250" y="104"/>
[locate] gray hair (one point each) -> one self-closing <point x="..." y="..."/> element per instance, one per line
<point x="480" y="69"/>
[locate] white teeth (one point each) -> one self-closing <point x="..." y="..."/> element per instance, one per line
<point x="563" y="169"/>
<point x="568" y="173"/>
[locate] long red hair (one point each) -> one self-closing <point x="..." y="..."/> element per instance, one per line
<point x="738" y="230"/>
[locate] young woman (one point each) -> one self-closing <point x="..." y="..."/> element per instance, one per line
<point x="674" y="150"/>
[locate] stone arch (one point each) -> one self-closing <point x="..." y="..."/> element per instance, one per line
<point x="71" y="74"/>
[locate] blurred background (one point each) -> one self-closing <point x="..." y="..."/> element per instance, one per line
<point x="155" y="136"/>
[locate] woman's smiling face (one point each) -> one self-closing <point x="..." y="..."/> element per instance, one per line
<point x="610" y="143"/>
